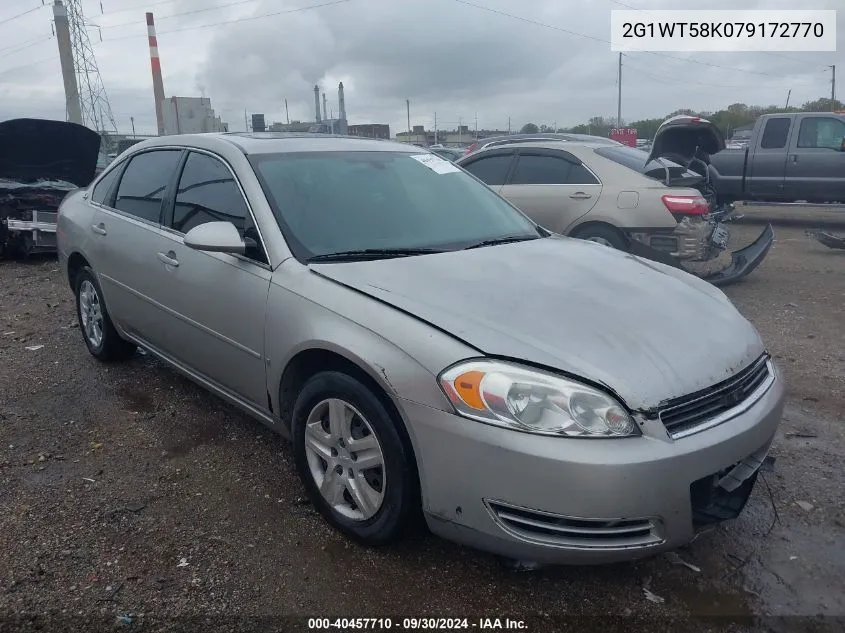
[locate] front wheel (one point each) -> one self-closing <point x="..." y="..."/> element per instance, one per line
<point x="97" y="329"/>
<point x="351" y="459"/>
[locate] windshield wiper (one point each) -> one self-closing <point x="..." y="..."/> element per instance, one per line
<point x="373" y="253"/>
<point x="502" y="240"/>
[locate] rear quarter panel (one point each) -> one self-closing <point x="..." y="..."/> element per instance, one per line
<point x="72" y="228"/>
<point x="628" y="199"/>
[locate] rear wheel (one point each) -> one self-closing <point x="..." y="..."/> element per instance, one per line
<point x="602" y="234"/>
<point x="96" y="326"/>
<point x="351" y="458"/>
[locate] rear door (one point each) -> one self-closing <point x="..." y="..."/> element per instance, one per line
<point x="552" y="187"/>
<point x="217" y="301"/>
<point x="767" y="168"/>
<point x="815" y="169"/>
<point x="125" y="233"/>
<point x="492" y="167"/>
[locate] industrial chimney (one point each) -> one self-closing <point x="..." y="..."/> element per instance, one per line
<point x="73" y="106"/>
<point x="317" y="103"/>
<point x="325" y="109"/>
<point x="341" y="102"/>
<point x="155" y="63"/>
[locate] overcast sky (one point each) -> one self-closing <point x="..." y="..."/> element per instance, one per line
<point x="446" y="57"/>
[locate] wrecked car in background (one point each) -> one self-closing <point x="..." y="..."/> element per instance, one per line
<point x="690" y="141"/>
<point x="41" y="161"/>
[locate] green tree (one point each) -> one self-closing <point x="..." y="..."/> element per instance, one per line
<point x="529" y="128"/>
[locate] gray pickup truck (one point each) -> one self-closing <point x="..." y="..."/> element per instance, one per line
<point x="789" y="157"/>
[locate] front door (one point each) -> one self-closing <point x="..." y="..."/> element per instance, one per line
<point x="218" y="301"/>
<point x="551" y="188"/>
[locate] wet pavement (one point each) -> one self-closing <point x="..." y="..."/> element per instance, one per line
<point x="131" y="497"/>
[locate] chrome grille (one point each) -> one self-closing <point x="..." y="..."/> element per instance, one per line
<point x="685" y="415"/>
<point x="554" y="529"/>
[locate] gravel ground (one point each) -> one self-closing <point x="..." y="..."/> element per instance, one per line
<point x="131" y="499"/>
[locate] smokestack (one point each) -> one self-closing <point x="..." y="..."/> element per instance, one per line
<point x="325" y="115"/>
<point x="74" y="109"/>
<point x="341" y="102"/>
<point x="317" y="103"/>
<point x="155" y="64"/>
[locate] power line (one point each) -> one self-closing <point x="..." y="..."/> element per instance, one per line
<point x="674" y="82"/>
<point x="40" y="61"/>
<point x="145" y="5"/>
<point x="177" y="15"/>
<point x="24" y="47"/>
<point x="20" y="15"/>
<point x="37" y="39"/>
<point x="226" y="22"/>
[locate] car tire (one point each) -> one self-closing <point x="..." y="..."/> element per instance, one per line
<point x="386" y="494"/>
<point x="602" y="234"/>
<point x="98" y="331"/>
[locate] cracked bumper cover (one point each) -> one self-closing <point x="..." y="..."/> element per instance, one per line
<point x="743" y="261"/>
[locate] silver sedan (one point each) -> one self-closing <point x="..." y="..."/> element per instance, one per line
<point x="425" y="345"/>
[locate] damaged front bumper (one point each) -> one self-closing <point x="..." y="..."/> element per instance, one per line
<point x="704" y="242"/>
<point x="29" y="232"/>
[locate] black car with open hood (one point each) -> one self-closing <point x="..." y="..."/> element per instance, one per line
<point x="41" y="160"/>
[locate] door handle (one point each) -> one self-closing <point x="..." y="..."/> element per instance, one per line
<point x="795" y="158"/>
<point x="100" y="228"/>
<point x="580" y="196"/>
<point x="168" y="258"/>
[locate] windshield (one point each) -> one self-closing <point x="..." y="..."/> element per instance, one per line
<point x="332" y="202"/>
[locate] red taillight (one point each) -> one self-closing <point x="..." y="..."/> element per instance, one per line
<point x="471" y="149"/>
<point x="686" y="205"/>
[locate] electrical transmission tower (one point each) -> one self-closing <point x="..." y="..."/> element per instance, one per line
<point x="96" y="111"/>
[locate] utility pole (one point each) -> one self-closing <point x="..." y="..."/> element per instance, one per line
<point x="788" y="94"/>
<point x="287" y="114"/>
<point x="509" y="125"/>
<point x="408" y="107"/>
<point x="246" y="124"/>
<point x="619" y="98"/>
<point x="132" y="118"/>
<point x="460" y="132"/>
<point x="833" y="86"/>
<point x="476" y="127"/>
<point x="435" y="128"/>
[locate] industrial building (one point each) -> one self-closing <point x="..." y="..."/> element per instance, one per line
<point x="190" y="115"/>
<point x="458" y="138"/>
<point x="370" y="130"/>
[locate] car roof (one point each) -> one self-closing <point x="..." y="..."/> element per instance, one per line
<point x="279" y="142"/>
<point x="558" y="144"/>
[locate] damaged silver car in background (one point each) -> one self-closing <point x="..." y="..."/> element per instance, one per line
<point x="41" y="161"/>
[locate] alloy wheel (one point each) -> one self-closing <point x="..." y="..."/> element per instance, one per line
<point x="90" y="309"/>
<point x="345" y="459"/>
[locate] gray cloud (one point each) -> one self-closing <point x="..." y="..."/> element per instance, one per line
<point x="444" y="56"/>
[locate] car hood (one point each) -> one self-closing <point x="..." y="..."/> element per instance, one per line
<point x="681" y="135"/>
<point x="645" y="331"/>
<point x="41" y="149"/>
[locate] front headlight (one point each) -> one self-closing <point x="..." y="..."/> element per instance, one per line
<point x="530" y="400"/>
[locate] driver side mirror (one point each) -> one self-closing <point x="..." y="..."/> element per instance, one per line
<point x="215" y="237"/>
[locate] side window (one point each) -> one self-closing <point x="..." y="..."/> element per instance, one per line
<point x="144" y="183"/>
<point x="775" y="133"/>
<point x="103" y="188"/>
<point x="580" y="175"/>
<point x="491" y="170"/>
<point x="208" y="192"/>
<point x="541" y="170"/>
<point x="821" y="132"/>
